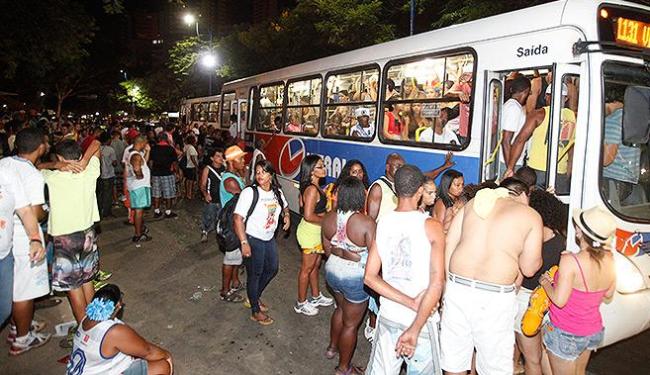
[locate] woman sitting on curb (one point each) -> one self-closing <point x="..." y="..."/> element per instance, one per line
<point x="103" y="344"/>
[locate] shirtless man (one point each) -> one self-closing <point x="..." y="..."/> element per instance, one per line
<point x="491" y="241"/>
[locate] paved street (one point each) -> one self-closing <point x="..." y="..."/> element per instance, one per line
<point x="208" y="336"/>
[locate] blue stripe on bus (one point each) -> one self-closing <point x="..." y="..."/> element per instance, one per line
<point x="374" y="158"/>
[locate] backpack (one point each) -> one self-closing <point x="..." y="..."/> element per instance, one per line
<point x="226" y="237"/>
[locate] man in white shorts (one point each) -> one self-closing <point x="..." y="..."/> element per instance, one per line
<point x="30" y="278"/>
<point x="491" y="240"/>
<point x="406" y="268"/>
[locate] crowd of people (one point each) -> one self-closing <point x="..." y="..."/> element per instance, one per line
<point x="445" y="272"/>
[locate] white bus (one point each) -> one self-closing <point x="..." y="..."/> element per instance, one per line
<point x="586" y="53"/>
<point x="201" y="111"/>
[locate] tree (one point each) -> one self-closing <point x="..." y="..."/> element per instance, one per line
<point x="37" y="35"/>
<point x="459" y="11"/>
<point x="136" y="94"/>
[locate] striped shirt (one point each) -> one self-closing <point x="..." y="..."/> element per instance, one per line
<point x="626" y="165"/>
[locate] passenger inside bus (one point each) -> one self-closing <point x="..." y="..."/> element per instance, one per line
<point x="441" y="132"/>
<point x="536" y="130"/>
<point x="621" y="163"/>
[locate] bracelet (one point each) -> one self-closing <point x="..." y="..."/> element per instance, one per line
<point x="35" y="240"/>
<point x="244" y="242"/>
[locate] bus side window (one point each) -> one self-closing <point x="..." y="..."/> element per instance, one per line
<point x="350" y="108"/>
<point x="566" y="136"/>
<point x="303" y="106"/>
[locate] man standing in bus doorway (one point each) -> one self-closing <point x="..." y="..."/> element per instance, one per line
<point x="536" y="129"/>
<point x="491" y="240"/>
<point x="406" y="268"/>
<point x="513" y="118"/>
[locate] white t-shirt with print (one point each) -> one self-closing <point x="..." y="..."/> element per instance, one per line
<point x="33" y="185"/>
<point x="12" y="197"/>
<point x="264" y="219"/>
<point x="513" y="119"/>
<point x="189" y="152"/>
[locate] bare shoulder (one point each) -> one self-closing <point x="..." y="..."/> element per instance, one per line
<point x="433" y="229"/>
<point x="375" y="190"/>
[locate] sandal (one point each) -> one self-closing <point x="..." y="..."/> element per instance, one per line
<point x="330" y="352"/>
<point x="263" y="307"/>
<point x="231" y="296"/>
<point x="352" y="370"/>
<point x="264" y="322"/>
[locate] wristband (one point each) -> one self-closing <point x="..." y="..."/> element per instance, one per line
<point x="244" y="242"/>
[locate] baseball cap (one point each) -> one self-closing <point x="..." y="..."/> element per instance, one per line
<point x="565" y="89"/>
<point x="233" y="152"/>
<point x="361" y="112"/>
<point x="132" y="133"/>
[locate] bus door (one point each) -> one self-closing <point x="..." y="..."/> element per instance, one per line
<point x="242" y="117"/>
<point x="492" y="135"/>
<point x="562" y="128"/>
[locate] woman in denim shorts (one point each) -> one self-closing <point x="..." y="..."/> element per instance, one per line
<point x="347" y="234"/>
<point x="583" y="280"/>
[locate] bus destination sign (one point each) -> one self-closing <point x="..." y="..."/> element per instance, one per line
<point x="632" y="32"/>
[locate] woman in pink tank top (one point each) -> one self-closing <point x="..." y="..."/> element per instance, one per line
<point x="582" y="282"/>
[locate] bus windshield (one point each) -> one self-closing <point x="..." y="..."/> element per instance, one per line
<point x="625" y="169"/>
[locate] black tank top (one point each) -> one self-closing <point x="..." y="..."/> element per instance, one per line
<point x="214" y="179"/>
<point x="321" y="205"/>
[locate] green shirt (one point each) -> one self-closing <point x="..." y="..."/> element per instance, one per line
<point x="73" y="204"/>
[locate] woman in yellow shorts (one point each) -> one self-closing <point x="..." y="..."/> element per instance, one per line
<point x="313" y="204"/>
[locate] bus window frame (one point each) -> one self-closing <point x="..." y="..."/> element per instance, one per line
<point x="257" y="99"/>
<point x="252" y="95"/>
<point x="286" y="105"/>
<point x="442" y="54"/>
<point x="223" y="101"/>
<point x="217" y="112"/>
<point x="325" y="104"/>
<point x="601" y="147"/>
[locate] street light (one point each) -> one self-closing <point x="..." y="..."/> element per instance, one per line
<point x="190" y="20"/>
<point x="209" y="61"/>
<point x="42" y="94"/>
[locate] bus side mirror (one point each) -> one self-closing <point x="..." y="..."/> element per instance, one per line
<point x="636" y="115"/>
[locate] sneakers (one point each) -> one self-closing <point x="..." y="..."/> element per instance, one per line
<point x="103" y="275"/>
<point x="321" y="300"/>
<point x="142" y="238"/>
<point x="305" y="308"/>
<point x="170" y="215"/>
<point x="36" y="326"/>
<point x="157" y="214"/>
<point x="204" y="236"/>
<point x="369" y="332"/>
<point x="29" y="342"/>
<point x="97" y="285"/>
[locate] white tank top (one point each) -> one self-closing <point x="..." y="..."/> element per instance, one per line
<point x="388" y="196"/>
<point x="86" y="357"/>
<point x="132" y="182"/>
<point x="405" y="253"/>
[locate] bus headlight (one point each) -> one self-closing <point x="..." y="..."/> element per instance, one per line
<point x="629" y="278"/>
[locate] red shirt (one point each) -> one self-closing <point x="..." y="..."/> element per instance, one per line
<point x="86" y="142"/>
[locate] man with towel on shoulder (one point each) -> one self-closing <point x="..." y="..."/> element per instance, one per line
<point x="493" y="239"/>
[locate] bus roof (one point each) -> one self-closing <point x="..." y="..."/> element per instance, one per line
<point x="546" y="16"/>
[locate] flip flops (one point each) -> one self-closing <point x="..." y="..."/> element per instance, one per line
<point x="264" y="322"/>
